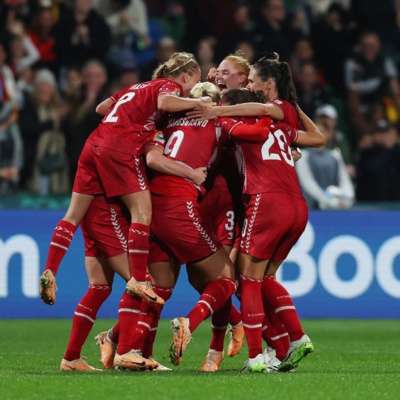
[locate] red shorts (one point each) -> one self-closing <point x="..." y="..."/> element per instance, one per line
<point x="274" y="222"/>
<point x="216" y="209"/>
<point x="177" y="224"/>
<point x="105" y="171"/>
<point x="105" y="228"/>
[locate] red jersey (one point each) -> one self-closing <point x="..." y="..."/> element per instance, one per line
<point x="193" y="144"/>
<point x="268" y="167"/>
<point x="289" y="112"/>
<point x="133" y="113"/>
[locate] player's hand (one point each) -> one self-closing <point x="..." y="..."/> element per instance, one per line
<point x="205" y="101"/>
<point x="202" y="113"/>
<point x="198" y="175"/>
<point x="296" y="153"/>
<point x="212" y="74"/>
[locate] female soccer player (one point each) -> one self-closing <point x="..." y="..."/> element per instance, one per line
<point x="178" y="224"/>
<point x="110" y="164"/>
<point x="105" y="230"/>
<point x="276" y="216"/>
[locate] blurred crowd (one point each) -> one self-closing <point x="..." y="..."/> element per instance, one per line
<point x="60" y="58"/>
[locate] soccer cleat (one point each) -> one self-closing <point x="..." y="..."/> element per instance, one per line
<point x="107" y="350"/>
<point x="77" y="365"/>
<point x="297" y="351"/>
<point x="181" y="338"/>
<point x="48" y="287"/>
<point x="212" y="361"/>
<point x="256" y="364"/>
<point x="271" y="360"/>
<point x="144" y="290"/>
<point x="133" y="361"/>
<point x="236" y="341"/>
<point x="160" y="366"/>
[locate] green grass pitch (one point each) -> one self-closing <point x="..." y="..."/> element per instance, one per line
<point x="353" y="359"/>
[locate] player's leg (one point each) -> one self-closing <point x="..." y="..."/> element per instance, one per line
<point x="139" y="206"/>
<point x="100" y="282"/>
<point x="281" y="303"/>
<point x="220" y="271"/>
<point x="59" y="244"/>
<point x="252" y="271"/>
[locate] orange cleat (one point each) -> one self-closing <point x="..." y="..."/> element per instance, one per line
<point x="77" y="365"/>
<point x="48" y="287"/>
<point x="133" y="361"/>
<point x="144" y="290"/>
<point x="236" y="341"/>
<point x="212" y="361"/>
<point x="181" y="338"/>
<point x="107" y="350"/>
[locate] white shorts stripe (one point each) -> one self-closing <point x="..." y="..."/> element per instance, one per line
<point x="84" y="316"/>
<point x="139" y="251"/>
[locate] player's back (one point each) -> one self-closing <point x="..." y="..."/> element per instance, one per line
<point x="269" y="166"/>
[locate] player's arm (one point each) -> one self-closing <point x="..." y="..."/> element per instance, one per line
<point x="104" y="107"/>
<point x="170" y="103"/>
<point x="253" y="133"/>
<point x="156" y="160"/>
<point x="270" y="110"/>
<point x="311" y="136"/>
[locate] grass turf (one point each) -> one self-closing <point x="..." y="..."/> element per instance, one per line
<point x="353" y="359"/>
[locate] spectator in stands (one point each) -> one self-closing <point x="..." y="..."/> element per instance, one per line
<point x="172" y="19"/>
<point x="369" y="77"/>
<point x="332" y="40"/>
<point x="247" y="49"/>
<point x="23" y="54"/>
<point x="82" y="118"/>
<point x="243" y="30"/>
<point x="378" y="167"/>
<point x="323" y="177"/>
<point x="45" y="166"/>
<point x="275" y="31"/>
<point x="205" y="55"/>
<point x="11" y="156"/>
<point x="335" y="138"/>
<point x="81" y="34"/>
<point x="41" y="33"/>
<point x="303" y="52"/>
<point x="311" y="94"/>
<point x="164" y="50"/>
<point x="126" y="19"/>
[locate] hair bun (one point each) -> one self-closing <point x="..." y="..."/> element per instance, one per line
<point x="274" y="56"/>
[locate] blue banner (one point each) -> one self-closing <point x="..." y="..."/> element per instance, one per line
<point x="346" y="265"/>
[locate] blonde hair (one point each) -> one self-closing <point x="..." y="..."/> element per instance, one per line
<point x="178" y="63"/>
<point x="202" y="89"/>
<point x="240" y="61"/>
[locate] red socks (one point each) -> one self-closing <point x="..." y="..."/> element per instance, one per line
<point x="219" y="321"/>
<point x="281" y="303"/>
<point x="128" y="315"/>
<point x="138" y="245"/>
<point x="235" y="317"/>
<point x="213" y="297"/>
<point x="84" y="317"/>
<point x="59" y="244"/>
<point x="252" y="314"/>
